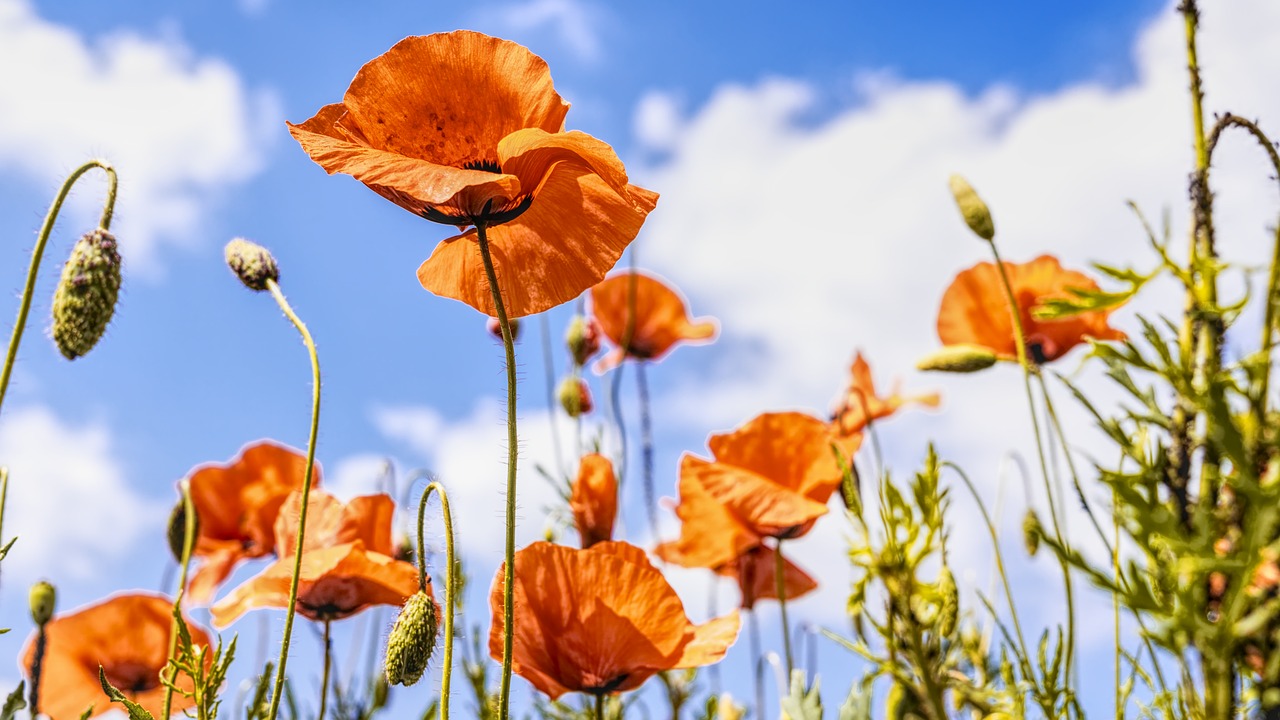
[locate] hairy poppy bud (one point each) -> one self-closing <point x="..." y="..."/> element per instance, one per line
<point x="949" y="603"/>
<point x="495" y="328"/>
<point x="575" y="396"/>
<point x="43" y="599"/>
<point x="252" y="263"/>
<point x="1031" y="532"/>
<point x="958" y="359"/>
<point x="975" y="212"/>
<point x="583" y="339"/>
<point x="86" y="296"/>
<point x="412" y="640"/>
<point x="850" y="489"/>
<point x="178" y="529"/>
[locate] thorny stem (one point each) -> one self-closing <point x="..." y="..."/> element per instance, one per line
<point x="46" y="229"/>
<point x="646" y="448"/>
<point x="328" y="661"/>
<point x="1020" y="342"/>
<point x="450" y="576"/>
<point x="274" y="288"/>
<point x="780" y="588"/>
<point x="188" y="544"/>
<point x="509" y="565"/>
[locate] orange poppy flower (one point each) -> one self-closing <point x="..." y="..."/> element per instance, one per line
<point x="348" y="562"/>
<point x="660" y="318"/>
<point x="465" y="129"/>
<point x="595" y="499"/>
<point x="600" y="620"/>
<point x="237" y="504"/>
<point x="861" y="404"/>
<point x="128" y="635"/>
<point x="975" y="310"/>
<point x="711" y="536"/>
<point x="755" y="571"/>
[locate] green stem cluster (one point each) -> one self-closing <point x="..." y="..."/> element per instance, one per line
<point x="188" y="545"/>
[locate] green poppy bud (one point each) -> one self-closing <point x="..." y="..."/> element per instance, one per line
<point x="958" y="359"/>
<point x="43" y="600"/>
<point x="412" y="640"/>
<point x="86" y="296"/>
<point x="252" y="263"/>
<point x="975" y="212"/>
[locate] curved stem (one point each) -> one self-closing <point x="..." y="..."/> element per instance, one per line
<point x="509" y="565"/>
<point x="646" y="448"/>
<point x="188" y="544"/>
<point x="328" y="660"/>
<point x="449" y="580"/>
<point x="306" y="491"/>
<point x="46" y="229"/>
<point x="780" y="588"/>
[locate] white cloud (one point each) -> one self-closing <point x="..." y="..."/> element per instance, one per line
<point x="657" y="120"/>
<point x="180" y="129"/>
<point x="574" y="22"/>
<point x="69" y="503"/>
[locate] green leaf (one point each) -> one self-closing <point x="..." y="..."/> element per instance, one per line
<point x="136" y="711"/>
<point x="802" y="703"/>
<point x="15" y="702"/>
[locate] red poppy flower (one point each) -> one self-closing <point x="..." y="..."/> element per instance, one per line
<point x="128" y="636"/>
<point x="600" y="620"/>
<point x="466" y="129"/>
<point x="861" y="403"/>
<point x="237" y="504"/>
<point x="348" y="562"/>
<point x="654" y="311"/>
<point x="595" y="499"/>
<point x="975" y="310"/>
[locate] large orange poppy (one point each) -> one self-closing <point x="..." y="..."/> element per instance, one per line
<point x="656" y="314"/>
<point x="348" y="562"/>
<point x="466" y="129"/>
<point x="861" y="403"/>
<point x="975" y="310"/>
<point x="237" y="504"/>
<point x="128" y="636"/>
<point x="594" y="500"/>
<point x="600" y="620"/>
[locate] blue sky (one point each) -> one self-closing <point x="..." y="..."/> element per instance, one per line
<point x="802" y="159"/>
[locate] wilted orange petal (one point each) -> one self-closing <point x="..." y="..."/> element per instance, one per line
<point x="656" y="314"/>
<point x="566" y="241"/>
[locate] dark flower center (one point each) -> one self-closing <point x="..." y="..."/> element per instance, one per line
<point x="483" y="165"/>
<point x="132" y="677"/>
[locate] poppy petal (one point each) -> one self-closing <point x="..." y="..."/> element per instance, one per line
<point x="791" y="449"/>
<point x="530" y="154"/>
<point x="650" y="310"/>
<point x="766" y="507"/>
<point x="710" y="641"/>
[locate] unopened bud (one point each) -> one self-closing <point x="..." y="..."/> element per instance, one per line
<point x="583" y="339"/>
<point x="86" y="296"/>
<point x="575" y="396"/>
<point x="850" y="489"/>
<point x="949" y="603"/>
<point x="178" y="530"/>
<point x="43" y="600"/>
<point x="381" y="689"/>
<point x="1032" y="532"/>
<point x="252" y="263"/>
<point x="975" y="212"/>
<point x="958" y="359"/>
<point x="412" y="640"/>
<point x="495" y="328"/>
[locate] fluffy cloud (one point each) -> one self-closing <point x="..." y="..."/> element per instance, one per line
<point x="179" y="128"/>
<point x="574" y="22"/>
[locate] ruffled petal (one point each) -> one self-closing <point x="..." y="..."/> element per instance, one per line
<point x="790" y="449"/>
<point x="766" y="507"/>
<point x="530" y="155"/>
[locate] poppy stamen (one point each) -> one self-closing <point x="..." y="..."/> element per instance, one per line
<point x="485" y="165"/>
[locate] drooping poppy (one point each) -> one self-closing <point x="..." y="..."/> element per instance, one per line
<point x="975" y="310"/>
<point x="599" y="620"/>
<point x="466" y="129"/>
<point x="861" y="403"/>
<point x="348" y="562"/>
<point x="128" y="636"/>
<point x="756" y="572"/>
<point x="594" y="500"/>
<point x="643" y="317"/>
<point x="237" y="504"/>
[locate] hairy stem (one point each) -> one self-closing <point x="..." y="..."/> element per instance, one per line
<point x="188" y="544"/>
<point x="328" y="661"/>
<point x="450" y="577"/>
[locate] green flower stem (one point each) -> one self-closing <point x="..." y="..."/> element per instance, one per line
<point x="46" y="229"/>
<point x="188" y="544"/>
<point x="549" y="367"/>
<point x="509" y="565"/>
<point x="1056" y="425"/>
<point x="450" y="577"/>
<point x="306" y="491"/>
<point x="757" y="670"/>
<point x="1020" y="342"/>
<point x="599" y="706"/>
<point x="780" y="588"/>
<point x="328" y="661"/>
<point x="646" y="448"/>
<point x="4" y="499"/>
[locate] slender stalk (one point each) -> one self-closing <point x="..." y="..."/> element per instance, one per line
<point x="599" y="706"/>
<point x="780" y="588"/>
<point x="450" y="577"/>
<point x="615" y="406"/>
<point x="753" y="627"/>
<point x="46" y="229"/>
<point x="306" y="492"/>
<point x="328" y="661"/>
<point x="188" y="544"/>
<point x="1056" y="425"/>
<point x="509" y="565"/>
<point x="37" y="669"/>
<point x="549" y="365"/>
<point x="646" y="448"/>
<point x="1115" y="608"/>
<point x="4" y="499"/>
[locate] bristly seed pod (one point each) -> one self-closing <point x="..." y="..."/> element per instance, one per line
<point x="412" y="640"/>
<point x="43" y="600"/>
<point x="86" y="296"/>
<point x="1031" y="532"/>
<point x="177" y="533"/>
<point x="958" y="359"/>
<point x="975" y="212"/>
<point x="252" y="263"/>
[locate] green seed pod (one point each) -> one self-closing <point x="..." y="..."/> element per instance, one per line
<point x="1032" y="532"/>
<point x="177" y="531"/>
<point x="949" y="605"/>
<point x="412" y="640"/>
<point x="975" y="212"/>
<point x="958" y="359"/>
<point x="43" y="600"/>
<point x="86" y="296"/>
<point x="252" y="263"/>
